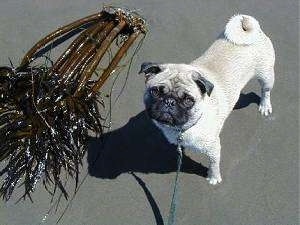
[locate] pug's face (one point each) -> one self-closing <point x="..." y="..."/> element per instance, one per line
<point x="174" y="93"/>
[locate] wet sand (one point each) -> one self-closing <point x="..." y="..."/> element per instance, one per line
<point x="259" y="155"/>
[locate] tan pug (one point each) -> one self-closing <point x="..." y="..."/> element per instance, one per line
<point x="195" y="99"/>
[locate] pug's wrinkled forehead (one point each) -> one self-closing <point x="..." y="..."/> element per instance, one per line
<point x="175" y="76"/>
<point x="170" y="75"/>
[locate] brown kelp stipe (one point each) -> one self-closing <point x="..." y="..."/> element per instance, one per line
<point x="46" y="111"/>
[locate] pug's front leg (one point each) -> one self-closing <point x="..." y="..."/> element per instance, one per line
<point x="214" y="155"/>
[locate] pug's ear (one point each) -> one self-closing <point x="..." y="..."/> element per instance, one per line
<point x="150" y="68"/>
<point x="204" y="85"/>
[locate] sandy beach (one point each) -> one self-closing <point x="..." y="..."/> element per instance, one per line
<point x="131" y="182"/>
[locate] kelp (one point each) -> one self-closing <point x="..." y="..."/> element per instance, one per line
<point x="47" y="112"/>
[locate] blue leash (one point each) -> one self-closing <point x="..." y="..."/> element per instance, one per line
<point x="174" y="202"/>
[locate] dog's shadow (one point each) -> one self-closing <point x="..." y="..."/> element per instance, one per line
<point x="138" y="146"/>
<point x="247" y="99"/>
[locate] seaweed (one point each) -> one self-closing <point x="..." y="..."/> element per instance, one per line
<point x="47" y="112"/>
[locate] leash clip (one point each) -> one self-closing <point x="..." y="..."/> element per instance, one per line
<point x="179" y="142"/>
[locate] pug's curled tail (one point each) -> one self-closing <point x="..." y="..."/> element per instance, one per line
<point x="242" y="30"/>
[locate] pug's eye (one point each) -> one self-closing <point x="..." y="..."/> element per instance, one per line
<point x="155" y="92"/>
<point x="188" y="101"/>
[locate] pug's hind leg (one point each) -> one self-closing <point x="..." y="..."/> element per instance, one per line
<point x="266" y="80"/>
<point x="214" y="155"/>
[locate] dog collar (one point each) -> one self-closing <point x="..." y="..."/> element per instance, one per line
<point x="181" y="130"/>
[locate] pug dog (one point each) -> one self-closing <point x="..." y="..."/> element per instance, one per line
<point x="193" y="100"/>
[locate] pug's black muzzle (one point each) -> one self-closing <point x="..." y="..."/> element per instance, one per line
<point x="167" y="110"/>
